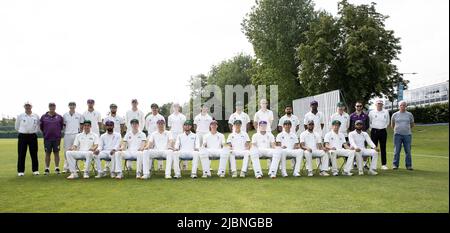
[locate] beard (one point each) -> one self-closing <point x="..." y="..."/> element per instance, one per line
<point x="109" y="130"/>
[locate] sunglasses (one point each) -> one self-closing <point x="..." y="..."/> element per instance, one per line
<point x="358" y="106"/>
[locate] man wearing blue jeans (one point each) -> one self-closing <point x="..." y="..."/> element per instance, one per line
<point x="402" y="122"/>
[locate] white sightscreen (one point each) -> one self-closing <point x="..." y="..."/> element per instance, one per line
<point x="327" y="105"/>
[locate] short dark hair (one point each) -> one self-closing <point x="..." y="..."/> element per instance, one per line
<point x="154" y="105"/>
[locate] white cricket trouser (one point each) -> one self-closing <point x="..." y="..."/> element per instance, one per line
<point x="296" y="154"/>
<point x="367" y="153"/>
<point x="128" y="155"/>
<point x="317" y="154"/>
<point x="266" y="153"/>
<point x="73" y="156"/>
<point x="185" y="155"/>
<point x="239" y="154"/>
<point x="175" y="135"/>
<point x="69" y="139"/>
<point x="104" y="155"/>
<point x="206" y="155"/>
<point x="150" y="155"/>
<point x="335" y="154"/>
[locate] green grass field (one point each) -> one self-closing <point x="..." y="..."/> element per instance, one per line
<point x="423" y="190"/>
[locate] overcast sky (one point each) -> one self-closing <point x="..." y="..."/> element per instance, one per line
<point x="113" y="51"/>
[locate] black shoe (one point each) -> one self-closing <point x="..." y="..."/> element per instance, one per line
<point x="409" y="168"/>
<point x="46" y="172"/>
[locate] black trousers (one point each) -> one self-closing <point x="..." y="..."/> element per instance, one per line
<point x="380" y="136"/>
<point x="27" y="141"/>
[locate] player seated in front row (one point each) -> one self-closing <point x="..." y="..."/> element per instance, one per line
<point x="159" y="147"/>
<point x="263" y="145"/>
<point x="82" y="149"/>
<point x="239" y="142"/>
<point x="214" y="147"/>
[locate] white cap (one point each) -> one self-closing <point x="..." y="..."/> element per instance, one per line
<point x="380" y="101"/>
<point x="27" y="103"/>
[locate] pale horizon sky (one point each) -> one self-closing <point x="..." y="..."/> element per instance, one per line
<point x="114" y="51"/>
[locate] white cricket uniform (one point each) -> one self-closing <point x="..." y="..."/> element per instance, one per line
<point x="379" y="119"/>
<point x="83" y="142"/>
<point x="151" y="122"/>
<point x="262" y="148"/>
<point x="266" y="115"/>
<point x="71" y="129"/>
<point x="159" y="151"/>
<point x="175" y="123"/>
<point x="186" y="146"/>
<point x="311" y="139"/>
<point x="337" y="140"/>
<point x="212" y="148"/>
<point x="239" y="151"/>
<point x="108" y="142"/>
<point x="289" y="140"/>
<point x="357" y="141"/>
<point x="118" y="121"/>
<point x="138" y="115"/>
<point x="27" y="124"/>
<point x="294" y="120"/>
<point x="243" y="117"/>
<point x="202" y="122"/>
<point x="134" y="142"/>
<point x="318" y="119"/>
<point x="345" y="122"/>
<point x="95" y="117"/>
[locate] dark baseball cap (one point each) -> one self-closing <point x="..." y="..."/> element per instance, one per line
<point x="87" y="122"/>
<point x="336" y="122"/>
<point x="262" y="123"/>
<point x="109" y="123"/>
<point x="90" y="101"/>
<point x="340" y="104"/>
<point x="188" y="122"/>
<point x="72" y="104"/>
<point x="112" y="106"/>
<point x="237" y="122"/>
<point x="134" y="121"/>
<point x="310" y="122"/>
<point x="314" y="103"/>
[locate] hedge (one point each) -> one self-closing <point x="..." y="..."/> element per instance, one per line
<point x="436" y="113"/>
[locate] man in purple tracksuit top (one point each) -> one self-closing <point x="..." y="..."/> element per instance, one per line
<point x="51" y="126"/>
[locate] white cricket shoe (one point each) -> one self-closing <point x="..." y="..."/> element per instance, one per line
<point x="113" y="174"/>
<point x="99" y="175"/>
<point x="284" y="175"/>
<point x="20" y="174"/>
<point x="360" y="173"/>
<point x="347" y="174"/>
<point x="259" y="177"/>
<point x="335" y="174"/>
<point x="222" y="175"/>
<point x="36" y="173"/>
<point x="119" y="176"/>
<point x="234" y="174"/>
<point x="168" y="177"/>
<point x="384" y="167"/>
<point x="73" y="176"/>
<point x="373" y="173"/>
<point x="138" y="175"/>
<point x="324" y="173"/>
<point x="310" y="173"/>
<point x="86" y="175"/>
<point x="296" y="174"/>
<point x="194" y="176"/>
<point x="242" y="175"/>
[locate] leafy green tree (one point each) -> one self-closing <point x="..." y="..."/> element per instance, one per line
<point x="275" y="28"/>
<point x="353" y="52"/>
